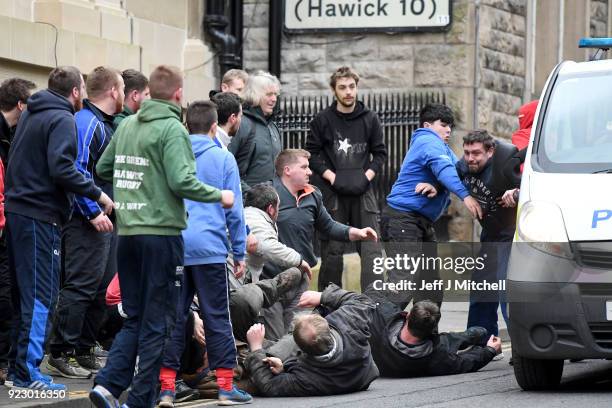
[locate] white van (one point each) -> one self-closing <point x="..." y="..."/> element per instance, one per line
<point x="559" y="284"/>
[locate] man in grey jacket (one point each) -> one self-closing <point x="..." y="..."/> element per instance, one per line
<point x="247" y="302"/>
<point x="261" y="212"/>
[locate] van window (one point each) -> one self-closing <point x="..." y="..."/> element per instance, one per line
<point x="576" y="136"/>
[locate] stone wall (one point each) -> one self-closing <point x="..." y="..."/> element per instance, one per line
<point x="501" y="53"/>
<point x="386" y="62"/>
<point x="599" y="18"/>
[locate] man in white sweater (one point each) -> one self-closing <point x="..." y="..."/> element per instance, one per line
<point x="247" y="301"/>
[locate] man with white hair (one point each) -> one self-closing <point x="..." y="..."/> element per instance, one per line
<point x="258" y="140"/>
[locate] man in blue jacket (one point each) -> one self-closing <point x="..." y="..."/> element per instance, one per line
<point x="408" y="218"/>
<point x="41" y="182"/>
<point x="89" y="258"/>
<point x="206" y="249"/>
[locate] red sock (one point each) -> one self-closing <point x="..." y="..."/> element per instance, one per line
<point x="225" y="378"/>
<point x="167" y="376"/>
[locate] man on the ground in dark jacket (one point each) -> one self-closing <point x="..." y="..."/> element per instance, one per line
<point x="152" y="166"/>
<point x="407" y="219"/>
<point x="302" y="211"/>
<point x="405" y="344"/>
<point x="258" y="140"/>
<point x="332" y="354"/>
<point x="41" y="181"/>
<point x="88" y="240"/>
<point x="497" y="199"/>
<point x="347" y="148"/>
<point x="136" y="91"/>
<point x="14" y="93"/>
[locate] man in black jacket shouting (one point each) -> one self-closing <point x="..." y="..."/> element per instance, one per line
<point x="405" y="345"/>
<point x="346" y="144"/>
<point x="331" y="354"/>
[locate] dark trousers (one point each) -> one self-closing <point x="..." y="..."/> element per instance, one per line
<point x="484" y="304"/>
<point x="194" y="354"/>
<point x="412" y="234"/>
<point x="6" y="304"/>
<point x="359" y="212"/>
<point x="86" y="274"/>
<point x="247" y="304"/>
<point x="34" y="253"/>
<point x="210" y="282"/>
<point x="111" y="325"/>
<point x="278" y="317"/>
<point x="150" y="274"/>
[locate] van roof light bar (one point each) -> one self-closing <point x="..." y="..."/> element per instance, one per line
<point x="602" y="45"/>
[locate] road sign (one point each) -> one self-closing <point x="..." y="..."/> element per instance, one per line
<point x="367" y="15"/>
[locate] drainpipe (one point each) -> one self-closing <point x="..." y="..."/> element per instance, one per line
<point x="236" y="13"/>
<point x="275" y="29"/>
<point x="215" y="23"/>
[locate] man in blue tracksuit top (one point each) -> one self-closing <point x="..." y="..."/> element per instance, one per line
<point x="407" y="219"/>
<point x="89" y="258"/>
<point x="206" y="250"/>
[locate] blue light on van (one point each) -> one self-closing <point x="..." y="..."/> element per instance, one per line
<point x="595" y="43"/>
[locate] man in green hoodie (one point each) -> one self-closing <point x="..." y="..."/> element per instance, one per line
<point x="152" y="167"/>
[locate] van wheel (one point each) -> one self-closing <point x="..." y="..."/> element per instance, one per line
<point x="536" y="375"/>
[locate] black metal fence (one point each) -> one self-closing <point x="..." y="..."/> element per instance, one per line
<point x="398" y="113"/>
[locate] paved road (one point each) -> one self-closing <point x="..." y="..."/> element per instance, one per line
<point x="585" y="384"/>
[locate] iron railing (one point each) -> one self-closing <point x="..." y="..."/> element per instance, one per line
<point x="398" y="113"/>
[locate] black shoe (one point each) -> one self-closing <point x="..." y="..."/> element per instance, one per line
<point x="66" y="366"/>
<point x="184" y="393"/>
<point x="287" y="280"/>
<point x="88" y="362"/>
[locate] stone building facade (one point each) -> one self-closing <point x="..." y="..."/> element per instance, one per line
<point x="37" y="35"/>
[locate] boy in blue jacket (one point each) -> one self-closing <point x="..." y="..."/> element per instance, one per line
<point x="407" y="219"/>
<point x="206" y="249"/>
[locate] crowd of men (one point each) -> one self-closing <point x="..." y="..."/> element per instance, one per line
<point x="186" y="249"/>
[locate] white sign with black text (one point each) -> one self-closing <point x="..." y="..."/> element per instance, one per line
<point x="376" y="15"/>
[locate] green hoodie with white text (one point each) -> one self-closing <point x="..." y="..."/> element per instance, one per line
<point x="152" y="167"/>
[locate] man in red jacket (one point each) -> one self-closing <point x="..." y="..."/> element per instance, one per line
<point x="520" y="138"/>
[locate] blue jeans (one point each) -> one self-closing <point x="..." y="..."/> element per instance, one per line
<point x="483" y="306"/>
<point x="150" y="274"/>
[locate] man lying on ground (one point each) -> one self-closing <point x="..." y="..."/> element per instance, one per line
<point x="332" y="354"/>
<point x="408" y="345"/>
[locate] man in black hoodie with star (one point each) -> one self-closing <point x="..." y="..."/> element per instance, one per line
<point x="347" y="152"/>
